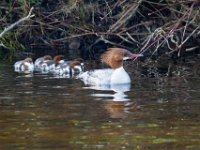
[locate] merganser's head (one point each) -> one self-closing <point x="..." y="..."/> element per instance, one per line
<point x="47" y="58"/>
<point x="58" y="59"/>
<point x="114" y="57"/>
<point x="28" y="64"/>
<point x="77" y="65"/>
<point x="28" y="60"/>
<point x="80" y="60"/>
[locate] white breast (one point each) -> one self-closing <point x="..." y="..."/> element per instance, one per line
<point x="120" y="76"/>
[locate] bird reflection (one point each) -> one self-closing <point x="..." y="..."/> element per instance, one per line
<point x="23" y="75"/>
<point x="116" y="109"/>
<point x="119" y="91"/>
<point x="115" y="103"/>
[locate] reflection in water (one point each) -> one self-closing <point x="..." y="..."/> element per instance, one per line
<point x="119" y="109"/>
<point x="116" y="109"/>
<point x="46" y="112"/>
<point x="25" y="75"/>
<point x="115" y="103"/>
<point x="119" y="90"/>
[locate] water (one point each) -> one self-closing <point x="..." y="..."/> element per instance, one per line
<point x="44" y="112"/>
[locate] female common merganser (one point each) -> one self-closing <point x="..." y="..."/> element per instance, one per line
<point x="70" y="67"/>
<point x="49" y="66"/>
<point x="39" y="61"/>
<point x="114" y="57"/>
<point x="24" y="66"/>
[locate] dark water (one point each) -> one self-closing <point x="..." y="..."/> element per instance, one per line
<point x="44" y="112"/>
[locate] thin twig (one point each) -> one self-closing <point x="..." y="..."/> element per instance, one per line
<point x="189" y="36"/>
<point x="125" y="16"/>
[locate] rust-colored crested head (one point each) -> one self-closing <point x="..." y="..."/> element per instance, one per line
<point x="47" y="57"/>
<point x="28" y="59"/>
<point x="79" y="59"/>
<point x="114" y="57"/>
<point x="58" y="58"/>
<point x="75" y="63"/>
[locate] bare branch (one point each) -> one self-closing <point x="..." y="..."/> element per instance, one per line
<point x="18" y="22"/>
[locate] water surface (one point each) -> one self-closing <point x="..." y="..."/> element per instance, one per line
<point x="46" y="112"/>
